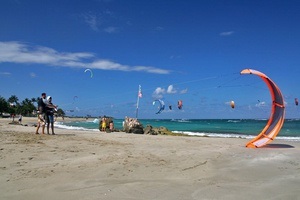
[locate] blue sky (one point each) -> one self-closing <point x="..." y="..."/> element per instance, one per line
<point x="176" y="50"/>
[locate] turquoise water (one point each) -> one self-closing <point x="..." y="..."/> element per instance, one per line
<point x="246" y="128"/>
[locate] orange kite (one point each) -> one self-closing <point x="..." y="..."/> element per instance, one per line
<point x="276" y="119"/>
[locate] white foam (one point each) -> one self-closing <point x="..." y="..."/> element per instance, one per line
<point x="62" y="126"/>
<point x="227" y="135"/>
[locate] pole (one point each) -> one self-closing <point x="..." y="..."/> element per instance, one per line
<point x="138" y="101"/>
<point x="137" y="107"/>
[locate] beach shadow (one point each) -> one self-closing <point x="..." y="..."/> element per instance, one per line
<point x="65" y="134"/>
<point x="285" y="146"/>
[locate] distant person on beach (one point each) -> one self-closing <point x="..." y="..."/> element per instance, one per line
<point x="50" y="109"/>
<point x="103" y="124"/>
<point x="41" y="114"/>
<point x="42" y="105"/>
<point x="20" y="119"/>
<point x="111" y="125"/>
<point x="41" y="123"/>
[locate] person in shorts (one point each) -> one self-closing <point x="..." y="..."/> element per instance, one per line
<point x="41" y="114"/>
<point x="41" y="123"/>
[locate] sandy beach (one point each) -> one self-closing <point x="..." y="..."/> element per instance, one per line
<point x="96" y="165"/>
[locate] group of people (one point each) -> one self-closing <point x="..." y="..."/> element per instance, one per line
<point x="46" y="110"/>
<point x="106" y="123"/>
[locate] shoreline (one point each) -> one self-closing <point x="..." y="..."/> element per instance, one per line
<point x="76" y="164"/>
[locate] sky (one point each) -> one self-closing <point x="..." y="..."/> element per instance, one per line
<point x="186" y="50"/>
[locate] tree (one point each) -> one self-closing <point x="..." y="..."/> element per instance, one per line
<point x="60" y="112"/>
<point x="4" y="106"/>
<point x="33" y="100"/>
<point x="26" y="107"/>
<point x="13" y="99"/>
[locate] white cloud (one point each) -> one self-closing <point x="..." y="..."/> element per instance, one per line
<point x="32" y="75"/>
<point x="159" y="28"/>
<point x="228" y="33"/>
<point x="171" y="90"/>
<point x="16" y="52"/>
<point x="260" y="104"/>
<point x="158" y="93"/>
<point x="101" y="21"/>
<point x="5" y="73"/>
<point x="111" y="29"/>
<point x="184" y="91"/>
<point x="92" y="21"/>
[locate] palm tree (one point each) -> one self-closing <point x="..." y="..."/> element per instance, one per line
<point x="33" y="99"/>
<point x="26" y="107"/>
<point x="3" y="105"/>
<point x="13" y="99"/>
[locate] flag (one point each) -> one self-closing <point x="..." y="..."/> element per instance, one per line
<point x="140" y="92"/>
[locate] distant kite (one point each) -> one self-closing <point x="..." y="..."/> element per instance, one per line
<point x="232" y="104"/>
<point x="296" y="101"/>
<point x="74" y="98"/>
<point x="89" y="70"/>
<point x="170" y="107"/>
<point x="276" y="119"/>
<point x="179" y="104"/>
<point x="161" y="106"/>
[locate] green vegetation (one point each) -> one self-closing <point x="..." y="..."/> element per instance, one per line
<point x="27" y="107"/>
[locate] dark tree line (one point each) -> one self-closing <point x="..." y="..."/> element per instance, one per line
<point x="27" y="107"/>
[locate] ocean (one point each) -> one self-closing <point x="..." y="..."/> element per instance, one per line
<point x="226" y="128"/>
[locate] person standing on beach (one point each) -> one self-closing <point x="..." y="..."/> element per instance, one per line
<point x="103" y="124"/>
<point x="41" y="123"/>
<point x="50" y="109"/>
<point x="111" y="125"/>
<point x="20" y="119"/>
<point x="41" y="114"/>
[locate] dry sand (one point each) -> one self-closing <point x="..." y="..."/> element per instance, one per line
<point x="94" y="165"/>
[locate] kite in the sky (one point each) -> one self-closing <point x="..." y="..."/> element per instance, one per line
<point x="89" y="70"/>
<point x="179" y="104"/>
<point x="161" y="106"/>
<point x="232" y="104"/>
<point x="296" y="101"/>
<point x="276" y="119"/>
<point x="74" y="98"/>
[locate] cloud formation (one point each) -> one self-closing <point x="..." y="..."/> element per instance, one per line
<point x="260" y="104"/>
<point x="171" y="90"/>
<point x="16" y="52"/>
<point x="101" y="22"/>
<point x="32" y="75"/>
<point x="228" y="33"/>
<point x="159" y="92"/>
<point x="5" y="73"/>
<point x="92" y="21"/>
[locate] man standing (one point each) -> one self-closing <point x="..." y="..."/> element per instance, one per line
<point x="49" y="115"/>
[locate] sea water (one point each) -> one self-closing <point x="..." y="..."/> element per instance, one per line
<point x="235" y="128"/>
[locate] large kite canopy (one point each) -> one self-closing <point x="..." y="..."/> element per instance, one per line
<point x="89" y="70"/>
<point x="161" y="106"/>
<point x="276" y="119"/>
